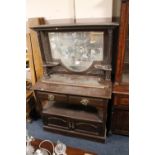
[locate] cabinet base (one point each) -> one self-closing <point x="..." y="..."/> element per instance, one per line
<point x="75" y="134"/>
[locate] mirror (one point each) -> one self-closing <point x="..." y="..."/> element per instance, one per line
<point x="77" y="50"/>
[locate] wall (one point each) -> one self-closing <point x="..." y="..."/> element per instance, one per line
<point x="50" y="9"/>
<point x="116" y="8"/>
<point x="63" y="9"/>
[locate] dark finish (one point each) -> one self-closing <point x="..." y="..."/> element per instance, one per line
<point x="103" y="92"/>
<point x="120" y="120"/>
<point x="43" y="30"/>
<point x="75" y="27"/>
<point x="69" y="150"/>
<point x="74" y="118"/>
<point x="67" y="112"/>
<point x="120" y="97"/>
<point x="75" y="103"/>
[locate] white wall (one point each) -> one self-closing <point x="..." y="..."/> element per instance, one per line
<point x="50" y="9"/>
<point x="93" y="8"/>
<point x="63" y="9"/>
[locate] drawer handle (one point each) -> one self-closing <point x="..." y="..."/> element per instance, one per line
<point x="84" y="101"/>
<point x="51" y="97"/>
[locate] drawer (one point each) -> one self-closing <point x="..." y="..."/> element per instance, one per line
<point x="52" y="96"/>
<point x="87" y="101"/>
<point x="121" y="99"/>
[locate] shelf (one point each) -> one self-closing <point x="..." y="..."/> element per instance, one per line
<point x="79" y="112"/>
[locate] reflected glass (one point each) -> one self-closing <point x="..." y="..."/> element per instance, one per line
<point x="125" y="73"/>
<point x="77" y="50"/>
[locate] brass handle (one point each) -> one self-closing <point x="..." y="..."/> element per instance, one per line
<point x="51" y="97"/>
<point x="84" y="101"/>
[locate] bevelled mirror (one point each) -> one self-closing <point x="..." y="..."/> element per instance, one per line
<point x="77" y="50"/>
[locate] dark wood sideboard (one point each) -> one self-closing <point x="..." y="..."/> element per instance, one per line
<point x="72" y="100"/>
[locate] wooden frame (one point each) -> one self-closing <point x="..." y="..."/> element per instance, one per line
<point x="120" y="98"/>
<point x="34" y="50"/>
<point x="124" y="18"/>
<point x="49" y="63"/>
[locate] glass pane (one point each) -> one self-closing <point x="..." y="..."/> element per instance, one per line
<point x="77" y="50"/>
<point x="125" y="74"/>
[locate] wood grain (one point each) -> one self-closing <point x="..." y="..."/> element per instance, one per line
<point x="35" y="47"/>
<point x="122" y="38"/>
<point x="120" y="97"/>
<point x="30" y="57"/>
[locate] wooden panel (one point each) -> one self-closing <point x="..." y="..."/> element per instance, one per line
<point x="121" y="99"/>
<point x="122" y="38"/>
<point x="35" y="46"/>
<point x="55" y="97"/>
<point x="87" y="127"/>
<point x="56" y="121"/>
<point x="30" y="57"/>
<point x="120" y="121"/>
<point x="120" y="89"/>
<point x="75" y="90"/>
<point x="89" y="101"/>
<point x="74" y="120"/>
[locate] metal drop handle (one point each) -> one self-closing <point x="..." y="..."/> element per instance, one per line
<point x="84" y="101"/>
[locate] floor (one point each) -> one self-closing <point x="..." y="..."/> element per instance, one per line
<point x="115" y="144"/>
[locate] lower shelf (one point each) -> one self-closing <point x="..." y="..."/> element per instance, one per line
<point x="79" y="112"/>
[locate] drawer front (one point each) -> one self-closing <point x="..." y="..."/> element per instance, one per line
<point x="92" y="128"/>
<point x="56" y="121"/>
<point x="47" y="99"/>
<point x="121" y="99"/>
<point x="52" y="96"/>
<point x="87" y="101"/>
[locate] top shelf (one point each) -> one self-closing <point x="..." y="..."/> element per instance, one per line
<point x="76" y="26"/>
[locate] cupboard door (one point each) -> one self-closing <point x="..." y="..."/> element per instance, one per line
<point x="56" y="121"/>
<point x="120" y="121"/>
<point x="92" y="128"/>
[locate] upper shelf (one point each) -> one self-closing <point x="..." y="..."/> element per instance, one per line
<point x="80" y="26"/>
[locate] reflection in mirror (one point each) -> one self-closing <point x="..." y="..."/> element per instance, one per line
<point x="77" y="50"/>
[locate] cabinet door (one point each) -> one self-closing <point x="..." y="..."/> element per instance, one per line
<point x="56" y="121"/>
<point x="120" y="121"/>
<point x="125" y="71"/>
<point x="92" y="128"/>
<point x="122" y="61"/>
